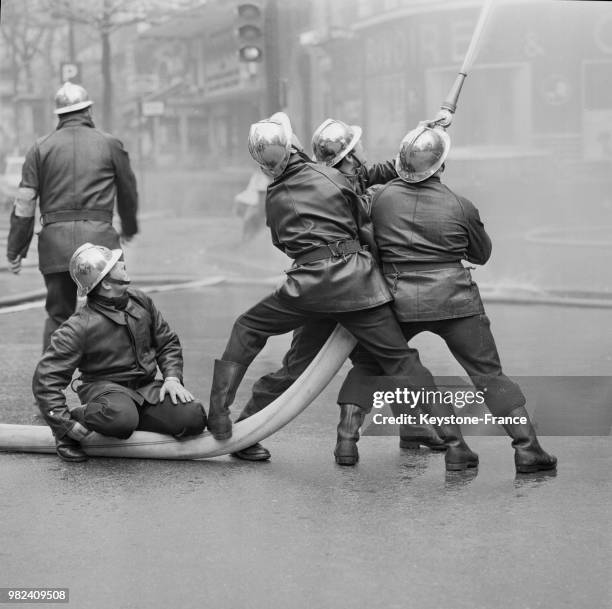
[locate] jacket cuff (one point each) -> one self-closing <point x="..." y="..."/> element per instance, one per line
<point x="129" y="227"/>
<point x="173" y="373"/>
<point x="20" y="235"/>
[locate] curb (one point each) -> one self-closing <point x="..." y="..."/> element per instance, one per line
<point x="35" y="299"/>
<point x="24" y="297"/>
<point x="156" y="284"/>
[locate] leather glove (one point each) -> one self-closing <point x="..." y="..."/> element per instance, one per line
<point x="443" y="118"/>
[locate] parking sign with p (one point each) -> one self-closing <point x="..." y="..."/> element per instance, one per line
<point x="70" y="71"/>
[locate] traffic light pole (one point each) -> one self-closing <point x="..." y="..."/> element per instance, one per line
<point x="271" y="58"/>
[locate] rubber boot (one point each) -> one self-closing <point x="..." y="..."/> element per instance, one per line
<point x="529" y="456"/>
<point x="459" y="455"/>
<point x="413" y="436"/>
<point x="351" y="419"/>
<point x="255" y="452"/>
<point x="226" y="379"/>
<point x="69" y="450"/>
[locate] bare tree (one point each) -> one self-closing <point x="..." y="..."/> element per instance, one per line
<point x="27" y="34"/>
<point x="107" y="16"/>
<point x="25" y="31"/>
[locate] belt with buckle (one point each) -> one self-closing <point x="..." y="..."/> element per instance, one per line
<point x="72" y="215"/>
<point x="408" y="267"/>
<point x="336" y="249"/>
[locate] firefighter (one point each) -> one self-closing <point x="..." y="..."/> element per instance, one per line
<point x="423" y="231"/>
<point x="334" y="144"/>
<point x="76" y="173"/>
<point x="319" y="223"/>
<point x="117" y="340"/>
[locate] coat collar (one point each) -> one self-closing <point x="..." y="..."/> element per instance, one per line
<point x="132" y="309"/>
<point x="75" y="119"/>
<point x="297" y="161"/>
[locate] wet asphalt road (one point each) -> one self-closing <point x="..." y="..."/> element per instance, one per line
<point x="301" y="532"/>
<point x="396" y="531"/>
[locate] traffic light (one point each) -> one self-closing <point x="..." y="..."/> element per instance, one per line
<point x="249" y="31"/>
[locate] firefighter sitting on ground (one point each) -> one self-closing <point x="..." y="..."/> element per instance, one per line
<point x="117" y="340"/>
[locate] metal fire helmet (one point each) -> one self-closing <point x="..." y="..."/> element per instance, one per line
<point x="422" y="152"/>
<point x="333" y="140"/>
<point x="70" y="98"/>
<point x="90" y="264"/>
<point x="270" y="143"/>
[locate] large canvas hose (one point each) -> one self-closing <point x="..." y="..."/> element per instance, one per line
<point x="147" y="445"/>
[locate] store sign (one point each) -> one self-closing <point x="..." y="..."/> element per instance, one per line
<point x="152" y="108"/>
<point x="143" y="84"/>
<point x="418" y="41"/>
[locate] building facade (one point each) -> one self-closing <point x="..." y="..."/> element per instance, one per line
<point x="542" y="79"/>
<point x="207" y="97"/>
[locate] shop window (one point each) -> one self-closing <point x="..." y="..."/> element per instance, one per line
<point x="597" y="110"/>
<point x="388" y="106"/>
<point x="494" y="108"/>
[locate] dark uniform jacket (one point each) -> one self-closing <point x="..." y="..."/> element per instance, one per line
<point x="428" y="225"/>
<point x="114" y="350"/>
<point x="370" y="175"/>
<point x="77" y="172"/>
<point x="310" y="206"/>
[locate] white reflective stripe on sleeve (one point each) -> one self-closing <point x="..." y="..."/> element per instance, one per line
<point x="25" y="202"/>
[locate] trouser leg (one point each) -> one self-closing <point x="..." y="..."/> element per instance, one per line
<point x="364" y="378"/>
<point x="471" y="342"/>
<point x="379" y="335"/>
<point x="116" y="414"/>
<point x="60" y="302"/>
<point x="378" y="331"/>
<point x="179" y="420"/>
<point x="458" y="454"/>
<point x="112" y="414"/>
<point x="473" y="346"/>
<point x="269" y="317"/>
<point x="307" y="342"/>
